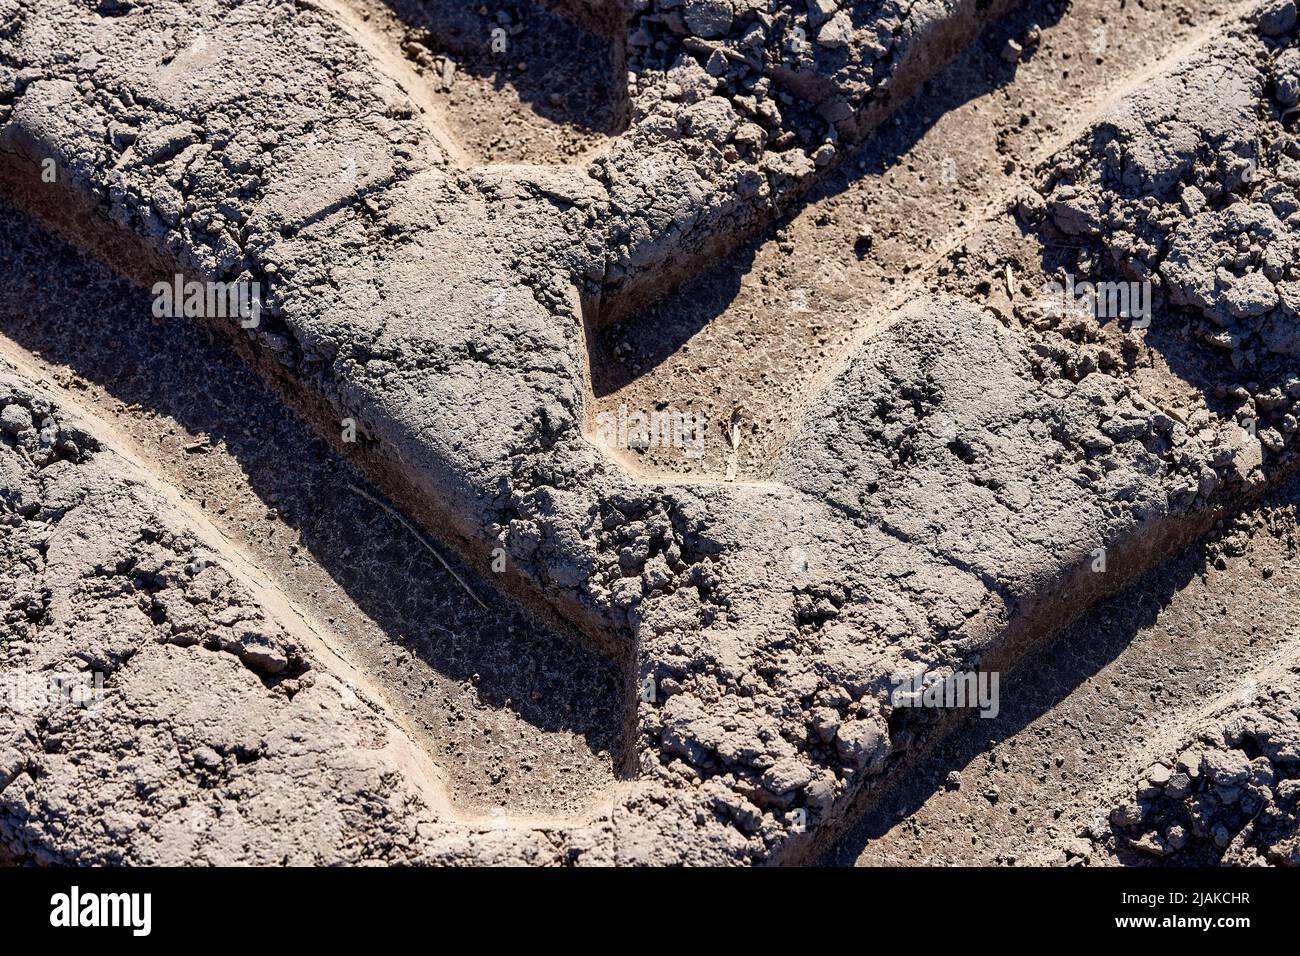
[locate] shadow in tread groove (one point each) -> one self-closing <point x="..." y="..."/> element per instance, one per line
<point x="516" y="714"/>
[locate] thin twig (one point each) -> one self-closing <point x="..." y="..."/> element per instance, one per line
<point x="423" y="539"/>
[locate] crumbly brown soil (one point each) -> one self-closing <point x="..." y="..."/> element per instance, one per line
<point x="516" y="716"/>
<point x="750" y="338"/>
<point x="1093" y="710"/>
<point x="520" y="720"/>
<point x="754" y="335"/>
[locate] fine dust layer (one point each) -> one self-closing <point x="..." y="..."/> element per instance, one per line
<point x="965" y="486"/>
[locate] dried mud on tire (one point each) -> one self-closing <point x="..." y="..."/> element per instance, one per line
<point x="704" y="651"/>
